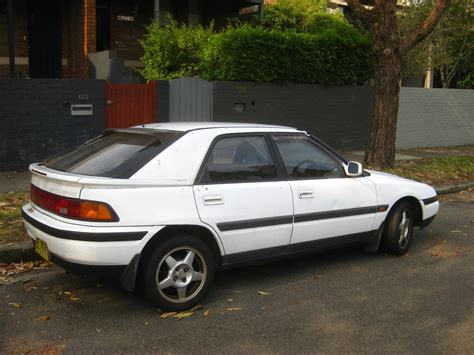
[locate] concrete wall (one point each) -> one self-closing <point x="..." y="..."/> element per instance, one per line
<point x="435" y="117"/>
<point x="341" y="116"/>
<point x="338" y="115"/>
<point x="36" y="121"/>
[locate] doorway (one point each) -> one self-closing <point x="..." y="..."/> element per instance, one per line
<point x="102" y="9"/>
<point x="44" y="38"/>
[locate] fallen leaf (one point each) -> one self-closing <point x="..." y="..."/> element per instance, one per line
<point x="195" y="308"/>
<point x="146" y="323"/>
<point x="16" y="305"/>
<point x="235" y="309"/>
<point x="98" y="330"/>
<point x="183" y="314"/>
<point x="237" y="291"/>
<point x="65" y="293"/>
<point x="456" y="231"/>
<point x="230" y="300"/>
<point x="167" y="314"/>
<point x="10" y="244"/>
<point x="317" y="276"/>
<point x="42" y="318"/>
<point x="263" y="293"/>
<point x="74" y="298"/>
<point x="98" y="285"/>
<point x="29" y="289"/>
<point x="206" y="313"/>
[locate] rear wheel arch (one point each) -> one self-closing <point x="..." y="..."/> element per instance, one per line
<point x="196" y="231"/>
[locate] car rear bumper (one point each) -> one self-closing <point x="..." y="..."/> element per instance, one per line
<point x="87" y="245"/>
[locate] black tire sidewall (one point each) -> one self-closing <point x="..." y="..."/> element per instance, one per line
<point x="390" y="238"/>
<point x="172" y="242"/>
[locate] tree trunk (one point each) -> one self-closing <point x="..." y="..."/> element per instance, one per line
<point x="380" y="150"/>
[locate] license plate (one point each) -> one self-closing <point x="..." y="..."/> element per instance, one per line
<point x="42" y="249"/>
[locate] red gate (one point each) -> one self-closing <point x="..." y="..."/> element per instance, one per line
<point x="130" y="104"/>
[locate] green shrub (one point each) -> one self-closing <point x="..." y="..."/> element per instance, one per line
<point x="300" y="17"/>
<point x="280" y="17"/>
<point x="172" y="51"/>
<point x="255" y="54"/>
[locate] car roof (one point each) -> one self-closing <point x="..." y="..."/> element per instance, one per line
<point x="191" y="126"/>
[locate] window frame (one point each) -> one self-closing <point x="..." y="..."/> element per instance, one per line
<point x="279" y="176"/>
<point x="323" y="147"/>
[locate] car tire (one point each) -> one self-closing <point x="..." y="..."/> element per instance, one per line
<point x="179" y="273"/>
<point x="398" y="229"/>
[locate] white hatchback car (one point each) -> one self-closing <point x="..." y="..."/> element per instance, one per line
<point x="169" y="204"/>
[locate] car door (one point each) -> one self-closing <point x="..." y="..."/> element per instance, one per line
<point x="327" y="204"/>
<point x="240" y="194"/>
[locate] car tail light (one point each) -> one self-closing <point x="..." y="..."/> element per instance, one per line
<point x="71" y="207"/>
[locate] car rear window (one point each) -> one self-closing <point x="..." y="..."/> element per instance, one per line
<point x="117" y="154"/>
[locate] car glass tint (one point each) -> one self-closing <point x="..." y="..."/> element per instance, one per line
<point x="117" y="154"/>
<point x="304" y="159"/>
<point x="239" y="159"/>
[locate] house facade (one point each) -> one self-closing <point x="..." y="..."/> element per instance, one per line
<point x="53" y="38"/>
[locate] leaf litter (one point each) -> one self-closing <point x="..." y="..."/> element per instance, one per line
<point x="183" y="314"/>
<point x="7" y="271"/>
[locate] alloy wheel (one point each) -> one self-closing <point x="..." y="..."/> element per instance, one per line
<point x="181" y="274"/>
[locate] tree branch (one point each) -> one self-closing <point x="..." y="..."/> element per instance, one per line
<point x="417" y="35"/>
<point x="359" y="11"/>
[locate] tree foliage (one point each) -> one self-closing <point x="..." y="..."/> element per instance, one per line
<point x="449" y="49"/>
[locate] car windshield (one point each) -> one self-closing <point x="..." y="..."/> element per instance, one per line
<point x="117" y="154"/>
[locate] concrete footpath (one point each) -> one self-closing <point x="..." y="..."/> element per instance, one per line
<point x="20" y="181"/>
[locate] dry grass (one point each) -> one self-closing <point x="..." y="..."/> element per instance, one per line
<point x="439" y="171"/>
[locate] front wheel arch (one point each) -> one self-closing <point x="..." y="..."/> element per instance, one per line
<point x="415" y="204"/>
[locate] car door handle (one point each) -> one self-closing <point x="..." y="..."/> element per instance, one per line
<point x="213" y="200"/>
<point x="306" y="194"/>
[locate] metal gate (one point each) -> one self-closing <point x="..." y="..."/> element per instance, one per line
<point x="191" y="99"/>
<point x="130" y="104"/>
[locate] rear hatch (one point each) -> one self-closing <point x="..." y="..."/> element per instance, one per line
<point x="111" y="158"/>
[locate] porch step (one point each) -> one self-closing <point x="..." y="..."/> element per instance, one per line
<point x="107" y="65"/>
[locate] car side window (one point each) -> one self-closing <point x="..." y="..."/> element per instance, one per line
<point x="239" y="159"/>
<point x="302" y="158"/>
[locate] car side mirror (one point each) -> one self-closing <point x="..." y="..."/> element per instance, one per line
<point x="353" y="169"/>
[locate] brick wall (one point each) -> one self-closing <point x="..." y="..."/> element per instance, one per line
<point x="36" y="121"/>
<point x="20" y="39"/>
<point x="78" y="38"/>
<point x="124" y="35"/>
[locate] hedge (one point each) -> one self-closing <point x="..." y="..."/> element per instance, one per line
<point x="172" y="51"/>
<point x="254" y="54"/>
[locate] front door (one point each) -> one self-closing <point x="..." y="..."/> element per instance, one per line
<point x="239" y="196"/>
<point x="44" y="38"/>
<point x="327" y="204"/>
<point x="102" y="14"/>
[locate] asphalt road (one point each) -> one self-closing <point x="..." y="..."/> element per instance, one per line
<point x="343" y="301"/>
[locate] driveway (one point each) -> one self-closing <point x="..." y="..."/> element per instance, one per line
<point x="342" y="301"/>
